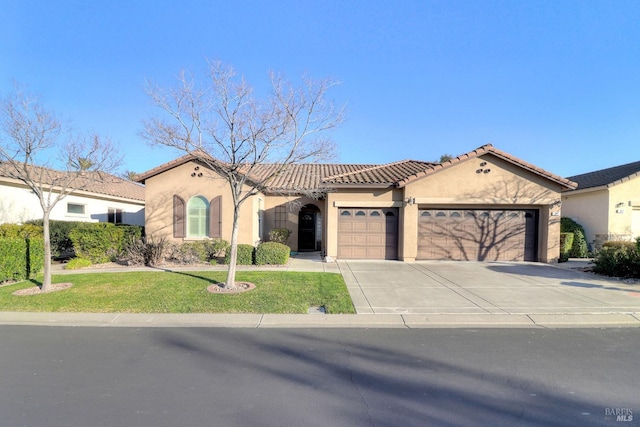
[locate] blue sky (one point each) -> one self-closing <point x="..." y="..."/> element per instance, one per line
<point x="556" y="83"/>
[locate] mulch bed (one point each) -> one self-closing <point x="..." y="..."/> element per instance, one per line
<point x="217" y="288"/>
<point x="36" y="290"/>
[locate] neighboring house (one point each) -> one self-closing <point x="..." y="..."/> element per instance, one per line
<point x="483" y="205"/>
<point x="606" y="203"/>
<point x="111" y="199"/>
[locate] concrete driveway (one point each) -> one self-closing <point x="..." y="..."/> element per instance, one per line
<point x="449" y="287"/>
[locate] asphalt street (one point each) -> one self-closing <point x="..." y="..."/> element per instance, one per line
<point x="71" y="376"/>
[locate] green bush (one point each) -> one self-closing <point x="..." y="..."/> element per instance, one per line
<point x="566" y="242"/>
<point x="272" y="253"/>
<point x="20" y="257"/>
<point x="279" y="235"/>
<point x="61" y="244"/>
<point x="24" y="230"/>
<point x="97" y="242"/>
<point x="619" y="244"/>
<point x="245" y="254"/>
<point x="579" y="249"/>
<point x="77" y="263"/>
<point x="618" y="261"/>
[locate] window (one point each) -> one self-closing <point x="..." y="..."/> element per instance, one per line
<point x="198" y="217"/>
<point x="374" y="213"/>
<point x="345" y="213"/>
<point x="114" y="216"/>
<point x="281" y="216"/>
<point x="361" y="213"/>
<point x="76" y="209"/>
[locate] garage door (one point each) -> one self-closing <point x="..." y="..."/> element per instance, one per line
<point x="478" y="235"/>
<point x="368" y="233"/>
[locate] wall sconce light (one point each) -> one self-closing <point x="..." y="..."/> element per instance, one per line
<point x="619" y="205"/>
<point x="411" y="200"/>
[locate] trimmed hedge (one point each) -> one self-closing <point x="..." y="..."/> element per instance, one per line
<point x="102" y="242"/>
<point x="245" y="254"/>
<point x="566" y="242"/>
<point x="20" y="257"/>
<point x="272" y="253"/>
<point x="579" y="249"/>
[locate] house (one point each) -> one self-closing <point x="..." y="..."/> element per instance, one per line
<point x="483" y="205"/>
<point x="606" y="203"/>
<point x="108" y="199"/>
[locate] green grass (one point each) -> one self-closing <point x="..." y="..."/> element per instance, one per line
<point x="184" y="292"/>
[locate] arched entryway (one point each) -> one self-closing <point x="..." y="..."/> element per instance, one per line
<point x="309" y="229"/>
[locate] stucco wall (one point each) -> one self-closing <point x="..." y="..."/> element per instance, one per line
<point x="18" y="205"/>
<point x="589" y="209"/>
<point x="622" y="198"/>
<point x="160" y="189"/>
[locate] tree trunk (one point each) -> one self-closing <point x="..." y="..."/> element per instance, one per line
<point x="233" y="259"/>
<point x="46" y="280"/>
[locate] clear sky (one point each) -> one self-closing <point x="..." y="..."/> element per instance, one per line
<point x="556" y="83"/>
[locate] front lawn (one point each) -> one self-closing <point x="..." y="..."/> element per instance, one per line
<point x="184" y="292"/>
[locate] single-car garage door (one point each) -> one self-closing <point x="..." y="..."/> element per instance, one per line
<point x="365" y="233"/>
<point x="478" y="235"/>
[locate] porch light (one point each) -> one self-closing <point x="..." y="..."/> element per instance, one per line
<point x="411" y="200"/>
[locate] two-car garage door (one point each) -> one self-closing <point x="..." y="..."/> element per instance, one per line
<point x="477" y="235"/>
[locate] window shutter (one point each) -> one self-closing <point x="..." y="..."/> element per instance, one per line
<point x="178" y="216"/>
<point x="215" y="217"/>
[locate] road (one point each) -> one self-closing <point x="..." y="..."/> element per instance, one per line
<point x="80" y="376"/>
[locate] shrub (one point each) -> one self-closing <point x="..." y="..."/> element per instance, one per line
<point x="579" y="249"/>
<point x="24" y="230"/>
<point x="146" y="250"/>
<point x="61" y="244"/>
<point x="216" y="248"/>
<point x="279" y="235"/>
<point x="245" y="254"/>
<point x="97" y="242"/>
<point x="619" y="244"/>
<point x="566" y="242"/>
<point x="618" y="262"/>
<point x="272" y="253"/>
<point x="20" y="257"/>
<point x="188" y="253"/>
<point x="77" y="263"/>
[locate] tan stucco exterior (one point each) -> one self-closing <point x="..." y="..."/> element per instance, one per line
<point x="483" y="182"/>
<point x="160" y="189"/>
<point x="606" y="213"/>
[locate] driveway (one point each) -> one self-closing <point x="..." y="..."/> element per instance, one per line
<point x="449" y="287"/>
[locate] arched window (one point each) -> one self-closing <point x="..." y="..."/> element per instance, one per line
<point x="198" y="217"/>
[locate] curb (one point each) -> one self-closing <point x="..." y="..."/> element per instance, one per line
<point x="398" y="321"/>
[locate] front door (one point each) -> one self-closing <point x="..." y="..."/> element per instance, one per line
<point x="307" y="231"/>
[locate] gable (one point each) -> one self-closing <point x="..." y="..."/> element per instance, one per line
<point x="485" y="179"/>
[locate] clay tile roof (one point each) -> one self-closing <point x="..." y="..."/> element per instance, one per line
<point x="609" y="176"/>
<point x="93" y="182"/>
<point x="388" y="174"/>
<point x="313" y="176"/>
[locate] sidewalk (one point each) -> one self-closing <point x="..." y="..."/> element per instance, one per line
<point x="385" y="272"/>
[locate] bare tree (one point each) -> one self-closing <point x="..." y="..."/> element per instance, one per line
<point x="30" y="139"/>
<point x="223" y="125"/>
